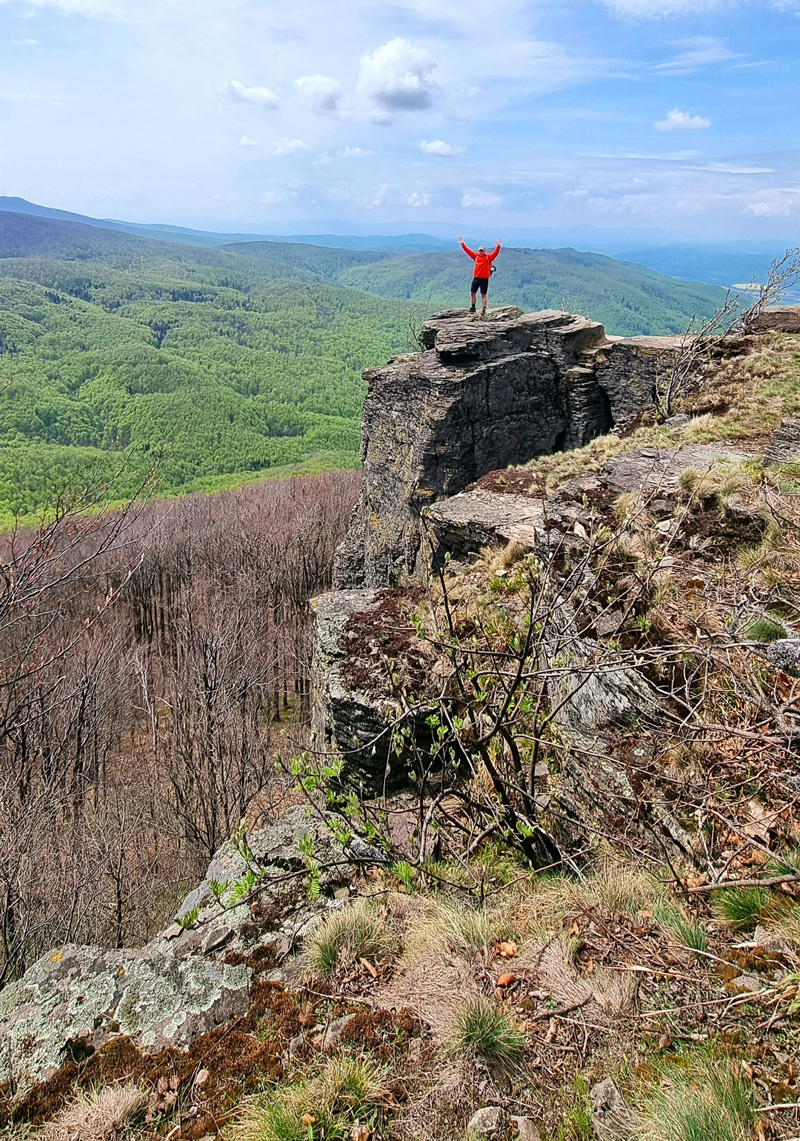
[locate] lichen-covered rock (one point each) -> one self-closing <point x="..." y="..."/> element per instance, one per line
<point x="179" y="985"/>
<point x="347" y="720"/>
<point x="357" y="638"/>
<point x="488" y="1122"/>
<point x="73" y="1000"/>
<point x="785" y="655"/>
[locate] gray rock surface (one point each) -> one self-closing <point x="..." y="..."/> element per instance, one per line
<point x="525" y="1128"/>
<point x="784" y="444"/>
<point x="657" y="470"/>
<point x="785" y="655"/>
<point x="487" y="1122"/>
<point x="76" y="998"/>
<point x="482" y="395"/>
<point x="349" y="720"/>
<point x="628" y="371"/>
<point x="611" y="1118"/>
<point x="777" y="319"/>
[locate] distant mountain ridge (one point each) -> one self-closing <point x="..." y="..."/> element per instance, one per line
<point x="183" y="234"/>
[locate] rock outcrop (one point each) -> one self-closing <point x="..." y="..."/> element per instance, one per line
<point x="482" y="395"/>
<point x="784" y="444"/>
<point x="186" y="981"/>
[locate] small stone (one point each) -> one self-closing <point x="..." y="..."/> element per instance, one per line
<point x="769" y="940"/>
<point x="525" y="1129"/>
<point x="202" y="1077"/>
<point x="217" y="939"/>
<point x="173" y="931"/>
<point x="334" y="1031"/>
<point x="295" y="1043"/>
<point x="744" y="984"/>
<point x="487" y="1122"/>
<point x="342" y="893"/>
<point x="506" y="980"/>
<point x="611" y="1118"/>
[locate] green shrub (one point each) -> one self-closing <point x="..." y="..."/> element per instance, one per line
<point x="357" y="931"/>
<point x="484" y="1030"/>
<point x="706" y="1102"/>
<point x="765" y="629"/>
<point x="740" y="906"/>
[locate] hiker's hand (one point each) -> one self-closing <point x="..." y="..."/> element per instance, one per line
<point x="461" y="239"/>
<point x="499" y="241"/>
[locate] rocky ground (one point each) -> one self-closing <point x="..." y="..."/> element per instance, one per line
<point x="566" y="903"/>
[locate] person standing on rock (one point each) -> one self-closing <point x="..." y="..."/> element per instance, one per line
<point x="481" y="274"/>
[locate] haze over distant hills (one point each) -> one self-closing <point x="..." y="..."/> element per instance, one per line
<point x="711" y="264"/>
<point x="218" y="361"/>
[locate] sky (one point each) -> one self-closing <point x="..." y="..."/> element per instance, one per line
<point x="676" y="118"/>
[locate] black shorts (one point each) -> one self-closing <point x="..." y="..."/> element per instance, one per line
<point x="479" y="283"/>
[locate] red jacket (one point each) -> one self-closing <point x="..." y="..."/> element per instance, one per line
<point x="483" y="262"/>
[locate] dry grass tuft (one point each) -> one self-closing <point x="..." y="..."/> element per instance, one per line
<point x="97" y="1115"/>
<point x="359" y="930"/>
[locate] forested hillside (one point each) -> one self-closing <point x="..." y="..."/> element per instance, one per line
<point x="630" y="300"/>
<point x="213" y="363"/>
<point x="203" y="362"/>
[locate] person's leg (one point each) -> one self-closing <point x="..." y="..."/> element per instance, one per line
<point x="484" y="297"/>
<point x="473" y="297"/>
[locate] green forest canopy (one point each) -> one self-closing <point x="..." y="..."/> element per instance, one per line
<point x="118" y="352"/>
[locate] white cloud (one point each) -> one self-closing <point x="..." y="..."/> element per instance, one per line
<point x="441" y="148"/>
<point x="99" y="9"/>
<point x="321" y="93"/>
<point x="278" y="196"/>
<point x="651" y="9"/>
<point x="697" y="52"/>
<point x="355" y="152"/>
<point x="398" y="77"/>
<point x="289" y="147"/>
<point x="777" y="203"/>
<point x="676" y="120"/>
<point x="246" y="141"/>
<point x="478" y="198"/>
<point x="655" y="9"/>
<point x="260" y="96"/>
<point x="417" y="200"/>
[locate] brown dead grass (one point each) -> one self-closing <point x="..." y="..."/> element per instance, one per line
<point x="97" y="1115"/>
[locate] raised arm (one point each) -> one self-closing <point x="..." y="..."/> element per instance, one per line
<point x="495" y="251"/>
<point x="466" y="249"/>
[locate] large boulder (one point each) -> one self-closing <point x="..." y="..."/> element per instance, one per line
<point x="188" y="979"/>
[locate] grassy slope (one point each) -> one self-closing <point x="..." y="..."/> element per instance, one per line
<point x="629" y="299"/>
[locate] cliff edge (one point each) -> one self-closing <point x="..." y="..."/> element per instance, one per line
<point x="482" y="395"/>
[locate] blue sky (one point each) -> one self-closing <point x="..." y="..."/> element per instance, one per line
<point x="670" y="116"/>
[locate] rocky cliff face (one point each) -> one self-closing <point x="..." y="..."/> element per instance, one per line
<point x="482" y="395"/>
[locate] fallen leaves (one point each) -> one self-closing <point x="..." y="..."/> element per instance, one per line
<point x="507" y="950"/>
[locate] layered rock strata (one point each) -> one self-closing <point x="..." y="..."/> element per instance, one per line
<point x="482" y="395"/>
